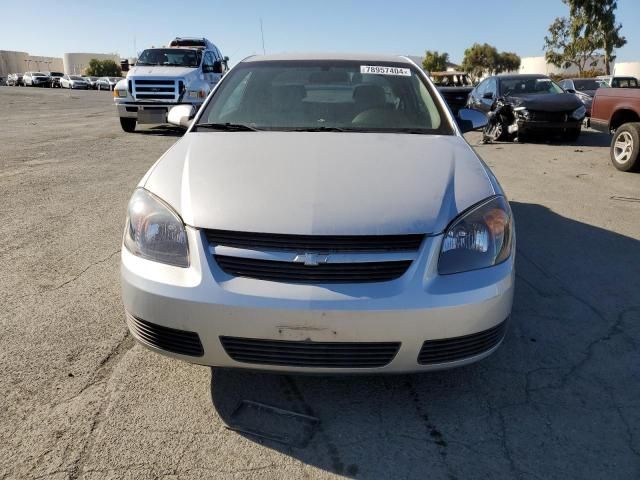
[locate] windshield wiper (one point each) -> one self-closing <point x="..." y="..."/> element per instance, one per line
<point x="319" y="129"/>
<point x="227" y="127"/>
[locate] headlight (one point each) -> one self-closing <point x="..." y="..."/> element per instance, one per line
<point x="579" y="112"/>
<point x="479" y="238"/>
<point x="119" y="93"/>
<point x="154" y="231"/>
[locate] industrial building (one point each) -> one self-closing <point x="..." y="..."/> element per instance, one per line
<point x="19" y="62"/>
<point x="70" y="63"/>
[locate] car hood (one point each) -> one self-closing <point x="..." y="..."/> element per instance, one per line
<point x="548" y="102"/>
<point x="159" y="72"/>
<point x="320" y="183"/>
<point x="591" y="93"/>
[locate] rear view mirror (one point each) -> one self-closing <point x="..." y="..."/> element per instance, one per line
<point x="181" y="115"/>
<point x="469" y="120"/>
<point x="488" y="96"/>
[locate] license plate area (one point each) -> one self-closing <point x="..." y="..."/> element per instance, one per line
<point x="152" y="115"/>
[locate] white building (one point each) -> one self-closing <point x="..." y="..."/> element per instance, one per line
<point x="539" y="65"/>
<point x="20" y="62"/>
<point x="627" y="69"/>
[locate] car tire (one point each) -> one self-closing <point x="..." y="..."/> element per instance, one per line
<point x="128" y="124"/>
<point x="625" y="147"/>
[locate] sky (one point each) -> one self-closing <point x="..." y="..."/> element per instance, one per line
<point x="406" y="27"/>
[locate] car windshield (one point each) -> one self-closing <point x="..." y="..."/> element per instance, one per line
<point x="589" y="84"/>
<point x="326" y="96"/>
<point x="452" y="80"/>
<point x="38" y="74"/>
<point x="57" y="74"/>
<point x="75" y="77"/>
<point x="169" y="57"/>
<point x="528" y="86"/>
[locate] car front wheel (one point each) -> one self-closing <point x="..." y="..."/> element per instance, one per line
<point x="625" y="147"/>
<point x="128" y="124"/>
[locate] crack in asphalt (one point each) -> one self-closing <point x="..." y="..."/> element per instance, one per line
<point x="66" y="282"/>
<point x="101" y="377"/>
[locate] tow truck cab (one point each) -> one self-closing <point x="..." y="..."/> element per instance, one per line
<point x="182" y="73"/>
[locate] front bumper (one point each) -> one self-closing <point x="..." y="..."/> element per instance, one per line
<point x="534" y="126"/>
<point x="147" y="112"/>
<point x="419" y="306"/>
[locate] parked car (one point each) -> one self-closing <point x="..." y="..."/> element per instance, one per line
<point x="107" y="83"/>
<point x="523" y="105"/>
<point x="55" y="79"/>
<point x="388" y="246"/>
<point x="619" y="81"/>
<point x="584" y="89"/>
<point x="184" y="73"/>
<point x="91" y="81"/>
<point x="11" y="80"/>
<point x="18" y="80"/>
<point x="74" y="82"/>
<point x="617" y="110"/>
<point x="36" y="79"/>
<point x="455" y="87"/>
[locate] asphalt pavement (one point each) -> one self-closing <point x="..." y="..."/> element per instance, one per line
<point x="81" y="400"/>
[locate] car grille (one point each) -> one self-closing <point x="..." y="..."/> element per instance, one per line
<point x="150" y="89"/>
<point x="165" y="338"/>
<point x="553" y="117"/>
<point x="313" y="259"/>
<point x="459" y="348"/>
<point x="317" y="243"/>
<point x="310" y="354"/>
<point x="300" y="273"/>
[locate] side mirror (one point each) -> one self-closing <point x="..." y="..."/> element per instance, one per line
<point x="487" y="96"/>
<point x="226" y="59"/>
<point x="570" y="90"/>
<point x="181" y="115"/>
<point x="469" y="120"/>
<point x="218" y="67"/>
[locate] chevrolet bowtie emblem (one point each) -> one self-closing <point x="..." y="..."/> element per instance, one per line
<point x="311" y="259"/>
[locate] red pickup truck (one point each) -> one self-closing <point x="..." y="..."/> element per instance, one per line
<point x="617" y="110"/>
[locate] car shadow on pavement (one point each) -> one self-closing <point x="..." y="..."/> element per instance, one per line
<point x="559" y="399"/>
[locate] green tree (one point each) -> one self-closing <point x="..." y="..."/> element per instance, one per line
<point x="103" y="68"/>
<point x="435" y="61"/>
<point x="481" y="59"/>
<point x="508" y="62"/>
<point x="600" y="22"/>
<point x="567" y="44"/>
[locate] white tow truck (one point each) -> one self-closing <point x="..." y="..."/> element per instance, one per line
<point x="183" y="73"/>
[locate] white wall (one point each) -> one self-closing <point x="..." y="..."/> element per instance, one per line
<point x="631" y="69"/>
<point x="539" y="65"/>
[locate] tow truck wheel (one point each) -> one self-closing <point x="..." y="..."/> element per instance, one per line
<point x="625" y="147"/>
<point x="128" y="124"/>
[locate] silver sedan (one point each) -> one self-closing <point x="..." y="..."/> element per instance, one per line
<point x="321" y="214"/>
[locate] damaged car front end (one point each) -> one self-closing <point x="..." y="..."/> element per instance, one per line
<point x="524" y="106"/>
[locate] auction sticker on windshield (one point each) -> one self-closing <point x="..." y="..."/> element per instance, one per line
<point x="380" y="70"/>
